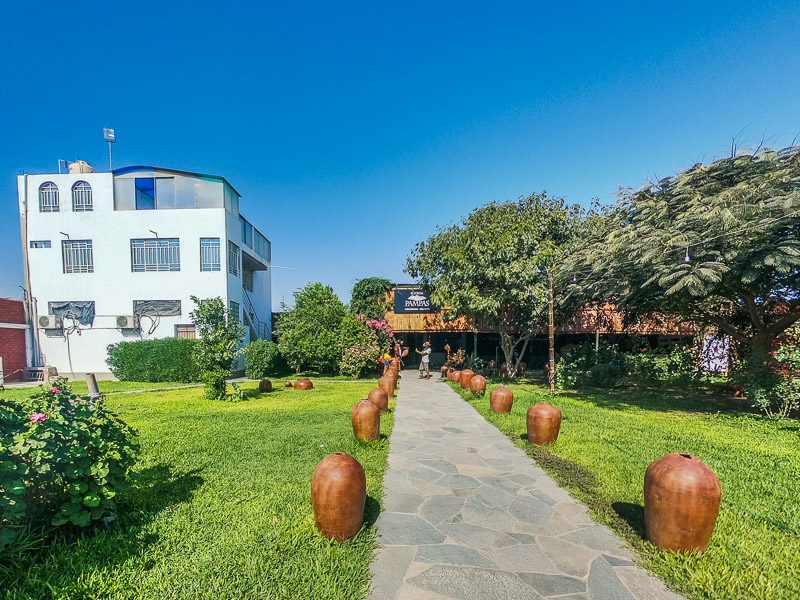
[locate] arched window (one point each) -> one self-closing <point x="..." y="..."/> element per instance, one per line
<point x="48" y="197"/>
<point x="82" y="197"/>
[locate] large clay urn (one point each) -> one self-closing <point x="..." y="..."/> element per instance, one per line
<point x="521" y="368"/>
<point x="366" y="418"/>
<point x="287" y="383"/>
<point x="681" y="502"/>
<point x="303" y="384"/>
<point x="478" y="384"/>
<point x="544" y="422"/>
<point x="456" y="376"/>
<point x="338" y="495"/>
<point x="379" y="398"/>
<point x="387" y="384"/>
<point x="504" y="370"/>
<point x="444" y="371"/>
<point x="265" y="386"/>
<point x="501" y="399"/>
<point x="450" y="371"/>
<point x="466" y="377"/>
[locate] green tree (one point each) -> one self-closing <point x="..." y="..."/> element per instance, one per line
<point x="717" y="244"/>
<point x="494" y="265"/>
<point x="369" y="297"/>
<point x="220" y="336"/>
<point x="310" y="333"/>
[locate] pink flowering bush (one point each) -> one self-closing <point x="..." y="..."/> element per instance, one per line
<point x="372" y="338"/>
<point x="62" y="457"/>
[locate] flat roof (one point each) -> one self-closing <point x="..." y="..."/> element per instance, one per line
<point x="123" y="170"/>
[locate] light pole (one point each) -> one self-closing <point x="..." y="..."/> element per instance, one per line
<point x="108" y="136"/>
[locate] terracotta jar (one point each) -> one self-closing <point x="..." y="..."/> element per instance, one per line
<point x="504" y="370"/>
<point x="265" y="386"/>
<point x="478" y="384"/>
<point x="466" y="377"/>
<point x="338" y="496"/>
<point x="501" y="400"/>
<point x="303" y="384"/>
<point x="450" y="371"/>
<point x="387" y="384"/>
<point x="681" y="502"/>
<point x="544" y="423"/>
<point x="287" y="383"/>
<point x="444" y="371"/>
<point x="366" y="418"/>
<point x="456" y="376"/>
<point x="379" y="398"/>
<point x="521" y="368"/>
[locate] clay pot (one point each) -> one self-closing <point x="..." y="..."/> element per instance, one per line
<point x="379" y="398"/>
<point x="681" y="502"/>
<point x="546" y="368"/>
<point x="466" y="377"/>
<point x="478" y="384"/>
<point x="450" y="371"/>
<point x="544" y="423"/>
<point x="338" y="495"/>
<point x="265" y="386"/>
<point x="444" y="371"/>
<point x="501" y="400"/>
<point x="387" y="384"/>
<point x="366" y="418"/>
<point x="521" y="368"/>
<point x="492" y="364"/>
<point x="287" y="383"/>
<point x="456" y="376"/>
<point x="504" y="370"/>
<point x="303" y="384"/>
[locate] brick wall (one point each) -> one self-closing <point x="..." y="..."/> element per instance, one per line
<point x="12" y="341"/>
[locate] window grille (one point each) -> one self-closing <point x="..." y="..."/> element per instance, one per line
<point x="247" y="279"/>
<point x="209" y="254"/>
<point x="187" y="332"/>
<point x="155" y="254"/>
<point x="40" y="243"/>
<point x="48" y="197"/>
<point x="78" y="256"/>
<point x="233" y="258"/>
<point x="82" y="197"/>
<point x="233" y="310"/>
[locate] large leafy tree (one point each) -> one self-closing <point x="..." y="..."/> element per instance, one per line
<point x="311" y="332"/>
<point x="494" y="265"/>
<point x="717" y="244"/>
<point x="220" y="336"/>
<point x="368" y="297"/>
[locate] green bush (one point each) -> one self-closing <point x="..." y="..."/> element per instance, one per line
<point x="220" y="336"/>
<point x="263" y="359"/>
<point x="168" y="359"/>
<point x="61" y="457"/>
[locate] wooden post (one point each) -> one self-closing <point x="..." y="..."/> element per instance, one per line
<point x="551" y="333"/>
<point x="91" y="382"/>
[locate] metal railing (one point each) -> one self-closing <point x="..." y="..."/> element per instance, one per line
<point x="260" y="327"/>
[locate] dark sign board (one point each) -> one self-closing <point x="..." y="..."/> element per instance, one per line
<point x="412" y="301"/>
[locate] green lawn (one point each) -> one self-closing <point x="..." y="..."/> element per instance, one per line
<point x="81" y="389"/>
<point x="607" y="440"/>
<point x="222" y="508"/>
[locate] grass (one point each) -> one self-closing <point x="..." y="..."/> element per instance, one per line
<point x="107" y="387"/>
<point x="222" y="507"/>
<point x="607" y="440"/>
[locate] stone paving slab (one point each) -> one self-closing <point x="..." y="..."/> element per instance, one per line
<point x="469" y="516"/>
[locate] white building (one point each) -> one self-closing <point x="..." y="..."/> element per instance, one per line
<point x="116" y="256"/>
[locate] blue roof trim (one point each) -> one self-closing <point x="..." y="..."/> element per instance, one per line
<point x="133" y="169"/>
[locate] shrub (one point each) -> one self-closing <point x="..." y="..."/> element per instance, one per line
<point x="168" y="359"/>
<point x="220" y="335"/>
<point x="263" y="359"/>
<point x="770" y="382"/>
<point x="63" y="457"/>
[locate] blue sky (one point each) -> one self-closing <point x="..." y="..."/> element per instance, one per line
<point x="353" y="129"/>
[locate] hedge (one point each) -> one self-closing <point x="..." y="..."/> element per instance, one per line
<point x="168" y="359"/>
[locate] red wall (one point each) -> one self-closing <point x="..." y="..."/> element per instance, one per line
<point x="12" y="341"/>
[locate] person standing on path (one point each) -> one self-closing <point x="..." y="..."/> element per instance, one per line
<point x="425" y="363"/>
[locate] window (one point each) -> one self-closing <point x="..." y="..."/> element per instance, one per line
<point x="233" y="310"/>
<point x="48" y="197"/>
<point x="209" y="254"/>
<point x="187" y="332"/>
<point x="82" y="197"/>
<point x="233" y="258"/>
<point x="145" y="193"/>
<point x="247" y="279"/>
<point x="78" y="256"/>
<point x="247" y="233"/>
<point x="40" y="244"/>
<point x="155" y="255"/>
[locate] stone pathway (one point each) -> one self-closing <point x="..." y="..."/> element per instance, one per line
<point x="470" y="516"/>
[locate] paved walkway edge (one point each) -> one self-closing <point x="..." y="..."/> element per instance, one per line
<point x="468" y="515"/>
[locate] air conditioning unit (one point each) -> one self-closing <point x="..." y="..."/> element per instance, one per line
<point x="127" y="322"/>
<point x="49" y="322"/>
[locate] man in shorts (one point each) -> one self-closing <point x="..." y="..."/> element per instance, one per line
<point x="425" y="362"/>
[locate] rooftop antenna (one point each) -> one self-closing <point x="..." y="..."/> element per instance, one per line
<point x="108" y="136"/>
